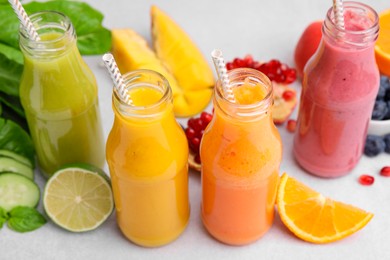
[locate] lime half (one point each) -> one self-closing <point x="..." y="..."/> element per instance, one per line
<point x="78" y="199"/>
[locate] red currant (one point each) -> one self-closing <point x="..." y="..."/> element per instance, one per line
<point x="229" y="66"/>
<point x="291" y="125"/>
<point x="288" y="95"/>
<point x="194" y="132"/>
<point x="366" y="179"/>
<point x="195" y="144"/>
<point x="385" y="171"/>
<point x="206" y="117"/>
<point x="190" y="133"/>
<point x="291" y="75"/>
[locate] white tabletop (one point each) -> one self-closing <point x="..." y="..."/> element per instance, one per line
<point x="265" y="29"/>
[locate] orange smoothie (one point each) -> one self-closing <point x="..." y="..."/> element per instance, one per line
<point x="240" y="152"/>
<point x="147" y="155"/>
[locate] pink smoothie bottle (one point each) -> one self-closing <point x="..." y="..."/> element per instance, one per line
<point x="339" y="87"/>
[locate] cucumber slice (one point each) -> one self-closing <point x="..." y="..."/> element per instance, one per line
<point x="17" y="190"/>
<point x="11" y="165"/>
<point x="15" y="156"/>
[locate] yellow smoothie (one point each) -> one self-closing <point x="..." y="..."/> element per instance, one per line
<point x="147" y="156"/>
<point x="59" y="95"/>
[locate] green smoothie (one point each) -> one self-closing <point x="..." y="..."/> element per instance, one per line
<point x="59" y="94"/>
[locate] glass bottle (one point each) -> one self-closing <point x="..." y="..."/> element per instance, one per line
<point x="240" y="152"/>
<point x="339" y="87"/>
<point x="147" y="154"/>
<point x="59" y="95"/>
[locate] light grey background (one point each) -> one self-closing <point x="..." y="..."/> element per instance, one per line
<point x="265" y="29"/>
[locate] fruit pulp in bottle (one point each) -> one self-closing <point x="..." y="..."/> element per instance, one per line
<point x="240" y="166"/>
<point x="338" y="92"/>
<point x="59" y="96"/>
<point x="148" y="165"/>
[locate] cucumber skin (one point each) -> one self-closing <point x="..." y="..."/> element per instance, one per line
<point x="17" y="157"/>
<point x="10" y="165"/>
<point x="14" y="178"/>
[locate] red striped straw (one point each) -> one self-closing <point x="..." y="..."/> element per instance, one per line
<point x="338" y="11"/>
<point x="24" y="20"/>
<point x="117" y="78"/>
<point x="220" y="67"/>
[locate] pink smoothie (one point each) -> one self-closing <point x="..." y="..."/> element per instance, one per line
<point x="338" y="93"/>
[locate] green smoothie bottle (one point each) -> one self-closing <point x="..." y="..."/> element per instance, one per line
<point x="59" y="95"/>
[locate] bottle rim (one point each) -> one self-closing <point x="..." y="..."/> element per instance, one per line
<point x="358" y="38"/>
<point x="134" y="79"/>
<point x="236" y="78"/>
<point x="48" y="21"/>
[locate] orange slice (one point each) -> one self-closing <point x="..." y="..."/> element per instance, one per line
<point x="315" y="218"/>
<point x="382" y="46"/>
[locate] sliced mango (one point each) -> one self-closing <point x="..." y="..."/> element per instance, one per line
<point x="184" y="60"/>
<point x="132" y="52"/>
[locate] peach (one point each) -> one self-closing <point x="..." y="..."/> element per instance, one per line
<point x="307" y="45"/>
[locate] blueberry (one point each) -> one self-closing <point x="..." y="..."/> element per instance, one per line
<point x="385" y="82"/>
<point x="387" y="95"/>
<point x="381" y="93"/>
<point x="387" y="116"/>
<point x="374" y="145"/>
<point x="380" y="110"/>
<point x="386" y="138"/>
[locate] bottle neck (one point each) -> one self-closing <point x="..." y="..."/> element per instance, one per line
<point x="141" y="85"/>
<point x="56" y="32"/>
<point x="244" y="112"/>
<point x="361" y="27"/>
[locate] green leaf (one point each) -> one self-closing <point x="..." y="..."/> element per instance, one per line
<point x="14" y="138"/>
<point x="12" y="53"/>
<point x="9" y="23"/>
<point x="10" y="74"/>
<point x="3" y="217"/>
<point x="7" y="112"/>
<point x="25" y="219"/>
<point x="13" y="103"/>
<point x="92" y="37"/>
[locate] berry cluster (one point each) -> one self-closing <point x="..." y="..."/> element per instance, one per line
<point x="194" y="132"/>
<point x="376" y="145"/>
<point x="274" y="69"/>
<point x="382" y="104"/>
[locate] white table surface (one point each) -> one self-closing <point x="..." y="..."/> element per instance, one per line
<point x="265" y="29"/>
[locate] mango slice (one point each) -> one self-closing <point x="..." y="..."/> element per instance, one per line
<point x="132" y="52"/>
<point x="176" y="58"/>
<point x="185" y="61"/>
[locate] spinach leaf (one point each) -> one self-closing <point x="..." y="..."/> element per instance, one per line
<point x="24" y="219"/>
<point x="12" y="53"/>
<point x="14" y="138"/>
<point x="92" y="37"/>
<point x="13" y="102"/>
<point x="10" y="73"/>
<point x="9" y="23"/>
<point x="7" y="112"/>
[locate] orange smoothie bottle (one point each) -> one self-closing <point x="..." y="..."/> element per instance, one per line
<point x="147" y="154"/>
<point x="240" y="152"/>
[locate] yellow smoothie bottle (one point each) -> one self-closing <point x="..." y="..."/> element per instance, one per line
<point x="59" y="95"/>
<point x="241" y="152"/>
<point x="147" y="155"/>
